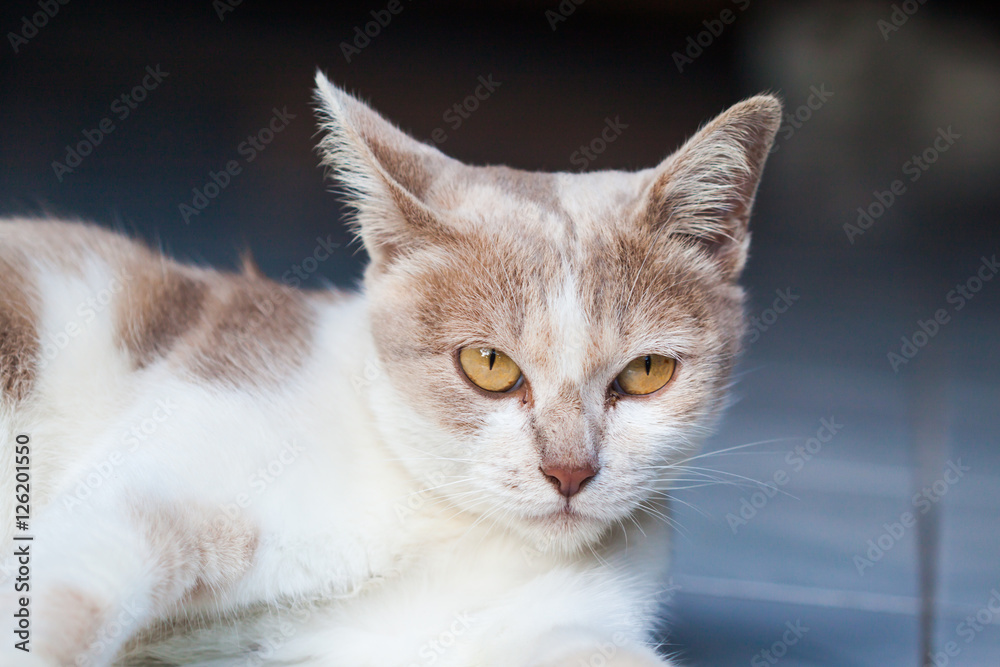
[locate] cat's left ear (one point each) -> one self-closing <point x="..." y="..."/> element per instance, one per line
<point x="703" y="193"/>
<point x="385" y="172"/>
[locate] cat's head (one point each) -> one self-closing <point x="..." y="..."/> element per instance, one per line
<point x="524" y="322"/>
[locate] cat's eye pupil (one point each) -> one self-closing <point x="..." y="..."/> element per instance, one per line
<point x="645" y="374"/>
<point x="489" y="368"/>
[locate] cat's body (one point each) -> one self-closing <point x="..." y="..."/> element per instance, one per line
<point x="335" y="516"/>
<point x="225" y="470"/>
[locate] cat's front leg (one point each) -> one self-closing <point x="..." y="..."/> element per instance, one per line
<point x="99" y="577"/>
<point x="561" y="617"/>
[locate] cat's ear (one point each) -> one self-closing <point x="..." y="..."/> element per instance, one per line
<point x="385" y="173"/>
<point x="704" y="192"/>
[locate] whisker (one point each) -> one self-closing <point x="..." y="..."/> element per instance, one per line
<point x="669" y="520"/>
<point x="430" y="458"/>
<point x="731" y="449"/>
<point x="756" y="482"/>
<point x="425" y="489"/>
<point x="702" y="476"/>
<point x="684" y="502"/>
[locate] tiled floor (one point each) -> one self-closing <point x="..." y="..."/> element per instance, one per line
<point x="823" y="358"/>
<point x="794" y="558"/>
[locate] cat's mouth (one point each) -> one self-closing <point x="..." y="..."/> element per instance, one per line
<point x="577" y="515"/>
<point x="566" y="529"/>
<point x="566" y="515"/>
<point x="567" y="511"/>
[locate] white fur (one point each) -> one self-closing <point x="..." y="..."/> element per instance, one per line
<point x="378" y="536"/>
<point x="382" y="564"/>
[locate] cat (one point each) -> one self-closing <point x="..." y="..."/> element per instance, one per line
<point x="462" y="464"/>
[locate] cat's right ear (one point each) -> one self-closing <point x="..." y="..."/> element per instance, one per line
<point x="385" y="173"/>
<point x="704" y="192"/>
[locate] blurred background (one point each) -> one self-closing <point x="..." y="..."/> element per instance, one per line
<point x="860" y="525"/>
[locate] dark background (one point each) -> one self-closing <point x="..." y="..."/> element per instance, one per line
<point x="826" y="357"/>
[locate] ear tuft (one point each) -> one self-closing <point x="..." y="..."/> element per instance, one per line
<point x="385" y="172"/>
<point x="705" y="190"/>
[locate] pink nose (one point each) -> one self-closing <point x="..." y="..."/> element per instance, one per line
<point x="569" y="480"/>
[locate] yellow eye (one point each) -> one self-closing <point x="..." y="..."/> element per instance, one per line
<point x="488" y="368"/>
<point x="646" y="374"/>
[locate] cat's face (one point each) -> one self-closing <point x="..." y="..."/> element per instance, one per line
<point x="554" y="284"/>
